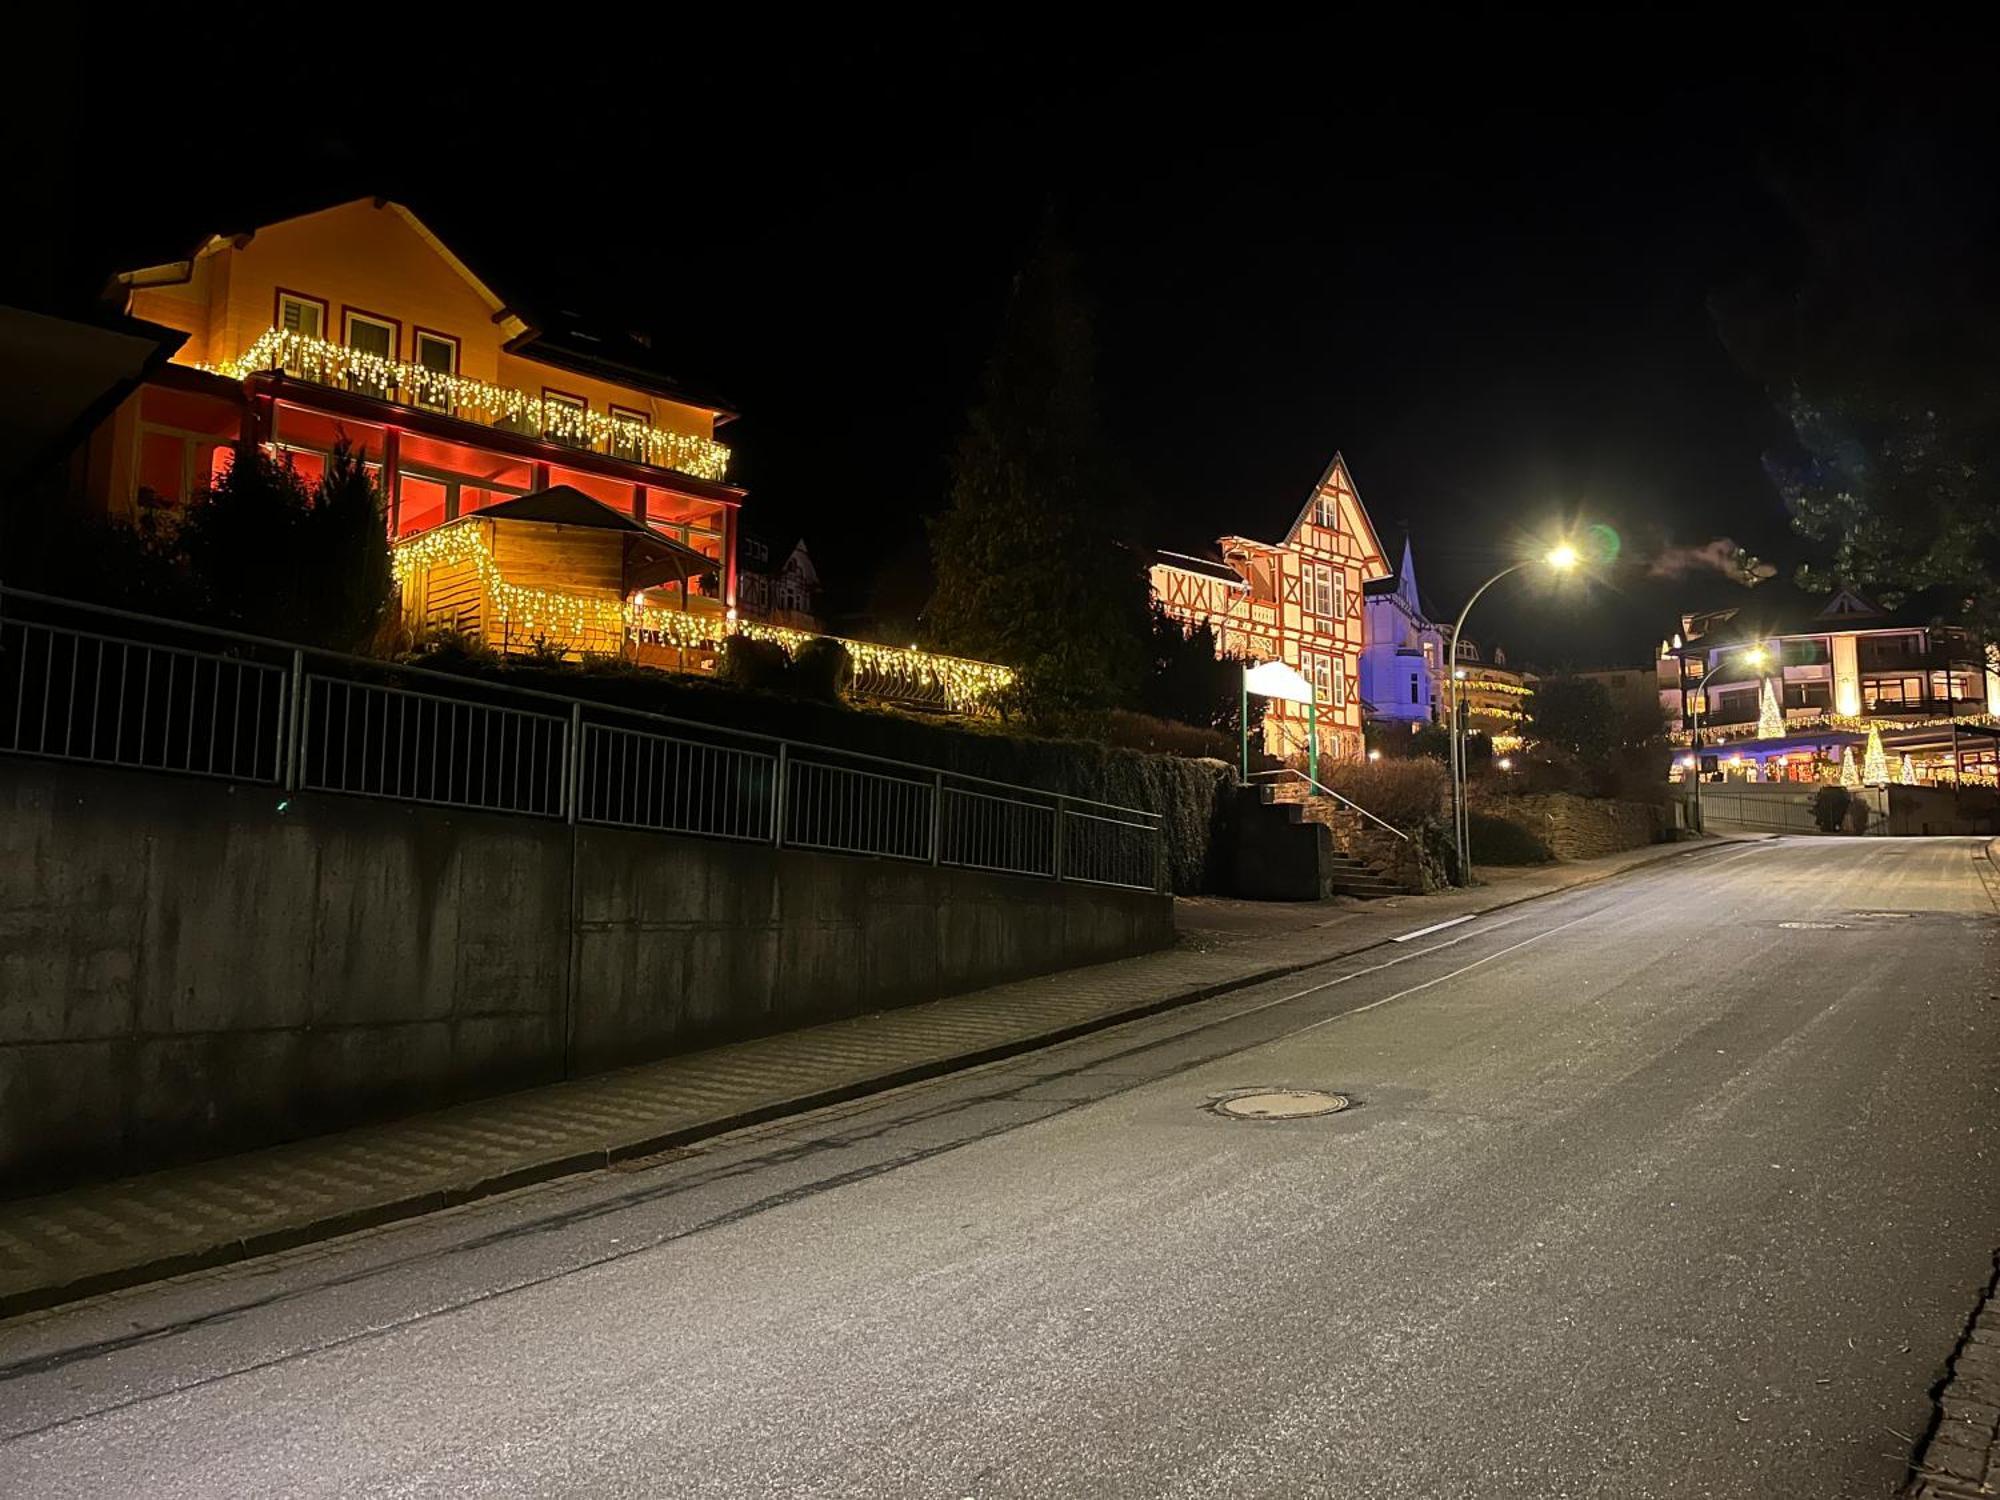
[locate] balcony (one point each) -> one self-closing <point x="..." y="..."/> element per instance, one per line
<point x="423" y="389"/>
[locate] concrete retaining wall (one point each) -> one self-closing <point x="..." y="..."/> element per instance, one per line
<point x="189" y="967"/>
<point x="1580" y="827"/>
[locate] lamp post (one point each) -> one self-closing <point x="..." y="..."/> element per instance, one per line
<point x="1756" y="656"/>
<point x="1561" y="559"/>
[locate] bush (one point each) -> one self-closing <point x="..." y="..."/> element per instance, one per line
<point x="1829" y="807"/>
<point x="821" y="670"/>
<point x="1858" y="812"/>
<point x="1500" y="841"/>
<point x="1132" y="731"/>
<point x="1405" y="794"/>
<point x="760" y="666"/>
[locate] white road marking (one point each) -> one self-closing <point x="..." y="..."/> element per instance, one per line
<point x="1436" y="927"/>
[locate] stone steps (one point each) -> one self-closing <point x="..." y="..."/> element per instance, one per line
<point x="1348" y="874"/>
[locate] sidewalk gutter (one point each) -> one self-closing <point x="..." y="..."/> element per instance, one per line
<point x="25" y="1295"/>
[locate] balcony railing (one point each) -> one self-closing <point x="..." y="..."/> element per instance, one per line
<point x="511" y="410"/>
<point x="526" y="617"/>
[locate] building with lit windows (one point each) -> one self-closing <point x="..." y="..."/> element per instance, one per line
<point x="1402" y="654"/>
<point x="1834" y="669"/>
<point x="1297" y="600"/>
<point x="547" y="484"/>
<point x="1495" y="696"/>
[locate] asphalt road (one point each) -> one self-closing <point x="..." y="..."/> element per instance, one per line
<point x="1679" y="1185"/>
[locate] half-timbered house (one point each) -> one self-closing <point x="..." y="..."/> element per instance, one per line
<point x="1298" y="600"/>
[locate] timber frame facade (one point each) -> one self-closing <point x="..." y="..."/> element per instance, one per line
<point x="1298" y="601"/>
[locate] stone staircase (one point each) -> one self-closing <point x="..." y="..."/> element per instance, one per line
<point x="1348" y="873"/>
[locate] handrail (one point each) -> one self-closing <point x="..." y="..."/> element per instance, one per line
<point x="1330" y="792"/>
<point x="462" y="680"/>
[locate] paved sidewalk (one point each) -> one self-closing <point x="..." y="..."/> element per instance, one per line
<point x="91" y="1239"/>
<point x="1961" y="1457"/>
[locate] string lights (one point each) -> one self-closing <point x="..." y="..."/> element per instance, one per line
<point x="584" y="622"/>
<point x="1848" y="723"/>
<point x="327" y="363"/>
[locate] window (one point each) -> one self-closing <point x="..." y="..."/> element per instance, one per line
<point x="374" y="338"/>
<point x="628" y="434"/>
<point x="1892" y="693"/>
<point x="1329" y="680"/>
<point x="436" y="352"/>
<point x="1953" y="687"/>
<point x="305" y="316"/>
<point x="1817" y="695"/>
<point x="1326" y="601"/>
<point x="562" y="418"/>
<point x="1326" y="512"/>
<point x="1413" y="687"/>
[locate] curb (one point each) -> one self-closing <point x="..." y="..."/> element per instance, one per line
<point x="415" y="1205"/>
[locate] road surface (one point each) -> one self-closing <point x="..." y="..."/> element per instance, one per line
<point x="1679" y="1185"/>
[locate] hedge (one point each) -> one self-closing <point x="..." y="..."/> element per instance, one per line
<point x="1496" y="841"/>
<point x="1192" y="796"/>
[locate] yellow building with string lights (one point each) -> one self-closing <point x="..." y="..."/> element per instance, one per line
<point x="548" y="485"/>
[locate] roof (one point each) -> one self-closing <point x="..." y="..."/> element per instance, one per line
<point x="63" y="376"/>
<point x="1201" y="567"/>
<point x="647" y="551"/>
<point x="562" y="337"/>
<point x="1784" y="609"/>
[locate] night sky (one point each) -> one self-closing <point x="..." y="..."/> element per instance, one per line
<point x="1475" y="259"/>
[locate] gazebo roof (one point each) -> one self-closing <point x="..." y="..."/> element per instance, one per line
<point x="650" y="558"/>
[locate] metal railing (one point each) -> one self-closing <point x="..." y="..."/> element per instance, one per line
<point x="109" y="687"/>
<point x="1327" y="791"/>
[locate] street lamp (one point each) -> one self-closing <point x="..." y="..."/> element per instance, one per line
<point x="1756" y="656"/>
<point x="1560" y="558"/>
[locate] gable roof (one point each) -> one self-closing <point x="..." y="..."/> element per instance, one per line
<point x="559" y="337"/>
<point x="1201" y="567"/>
<point x="650" y="558"/>
<point x="1340" y="480"/>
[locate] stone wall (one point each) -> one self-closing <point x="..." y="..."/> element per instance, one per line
<point x="189" y="967"/>
<point x="1577" y="827"/>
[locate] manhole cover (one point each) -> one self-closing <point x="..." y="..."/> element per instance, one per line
<point x="1814" y="926"/>
<point x="1280" y="1104"/>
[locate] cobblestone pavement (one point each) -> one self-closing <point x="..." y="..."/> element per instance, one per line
<point x="72" y="1244"/>
<point x="1961" y="1457"/>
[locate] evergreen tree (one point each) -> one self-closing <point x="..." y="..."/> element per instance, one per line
<point x="1029" y="569"/>
<point x="1879" y="353"/>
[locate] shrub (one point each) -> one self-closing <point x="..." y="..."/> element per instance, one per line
<point x="1406" y="794"/>
<point x="1132" y="731"/>
<point x="758" y="665"/>
<point x="1500" y="841"/>
<point x="1829" y="807"/>
<point x="821" y="670"/>
<point x="1858" y="812"/>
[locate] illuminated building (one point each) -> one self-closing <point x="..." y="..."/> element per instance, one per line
<point x="1298" y="600"/>
<point x="1837" y="667"/>
<point x="548" y="486"/>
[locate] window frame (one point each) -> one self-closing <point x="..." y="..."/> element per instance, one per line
<point x="418" y="334"/>
<point x="641" y="419"/>
<point x="569" y="399"/>
<point x="281" y="295"/>
<point x="349" y="316"/>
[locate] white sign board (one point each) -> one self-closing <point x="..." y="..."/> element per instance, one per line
<point x="1276" y="680"/>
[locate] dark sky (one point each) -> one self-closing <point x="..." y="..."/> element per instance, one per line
<point x="1474" y="258"/>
